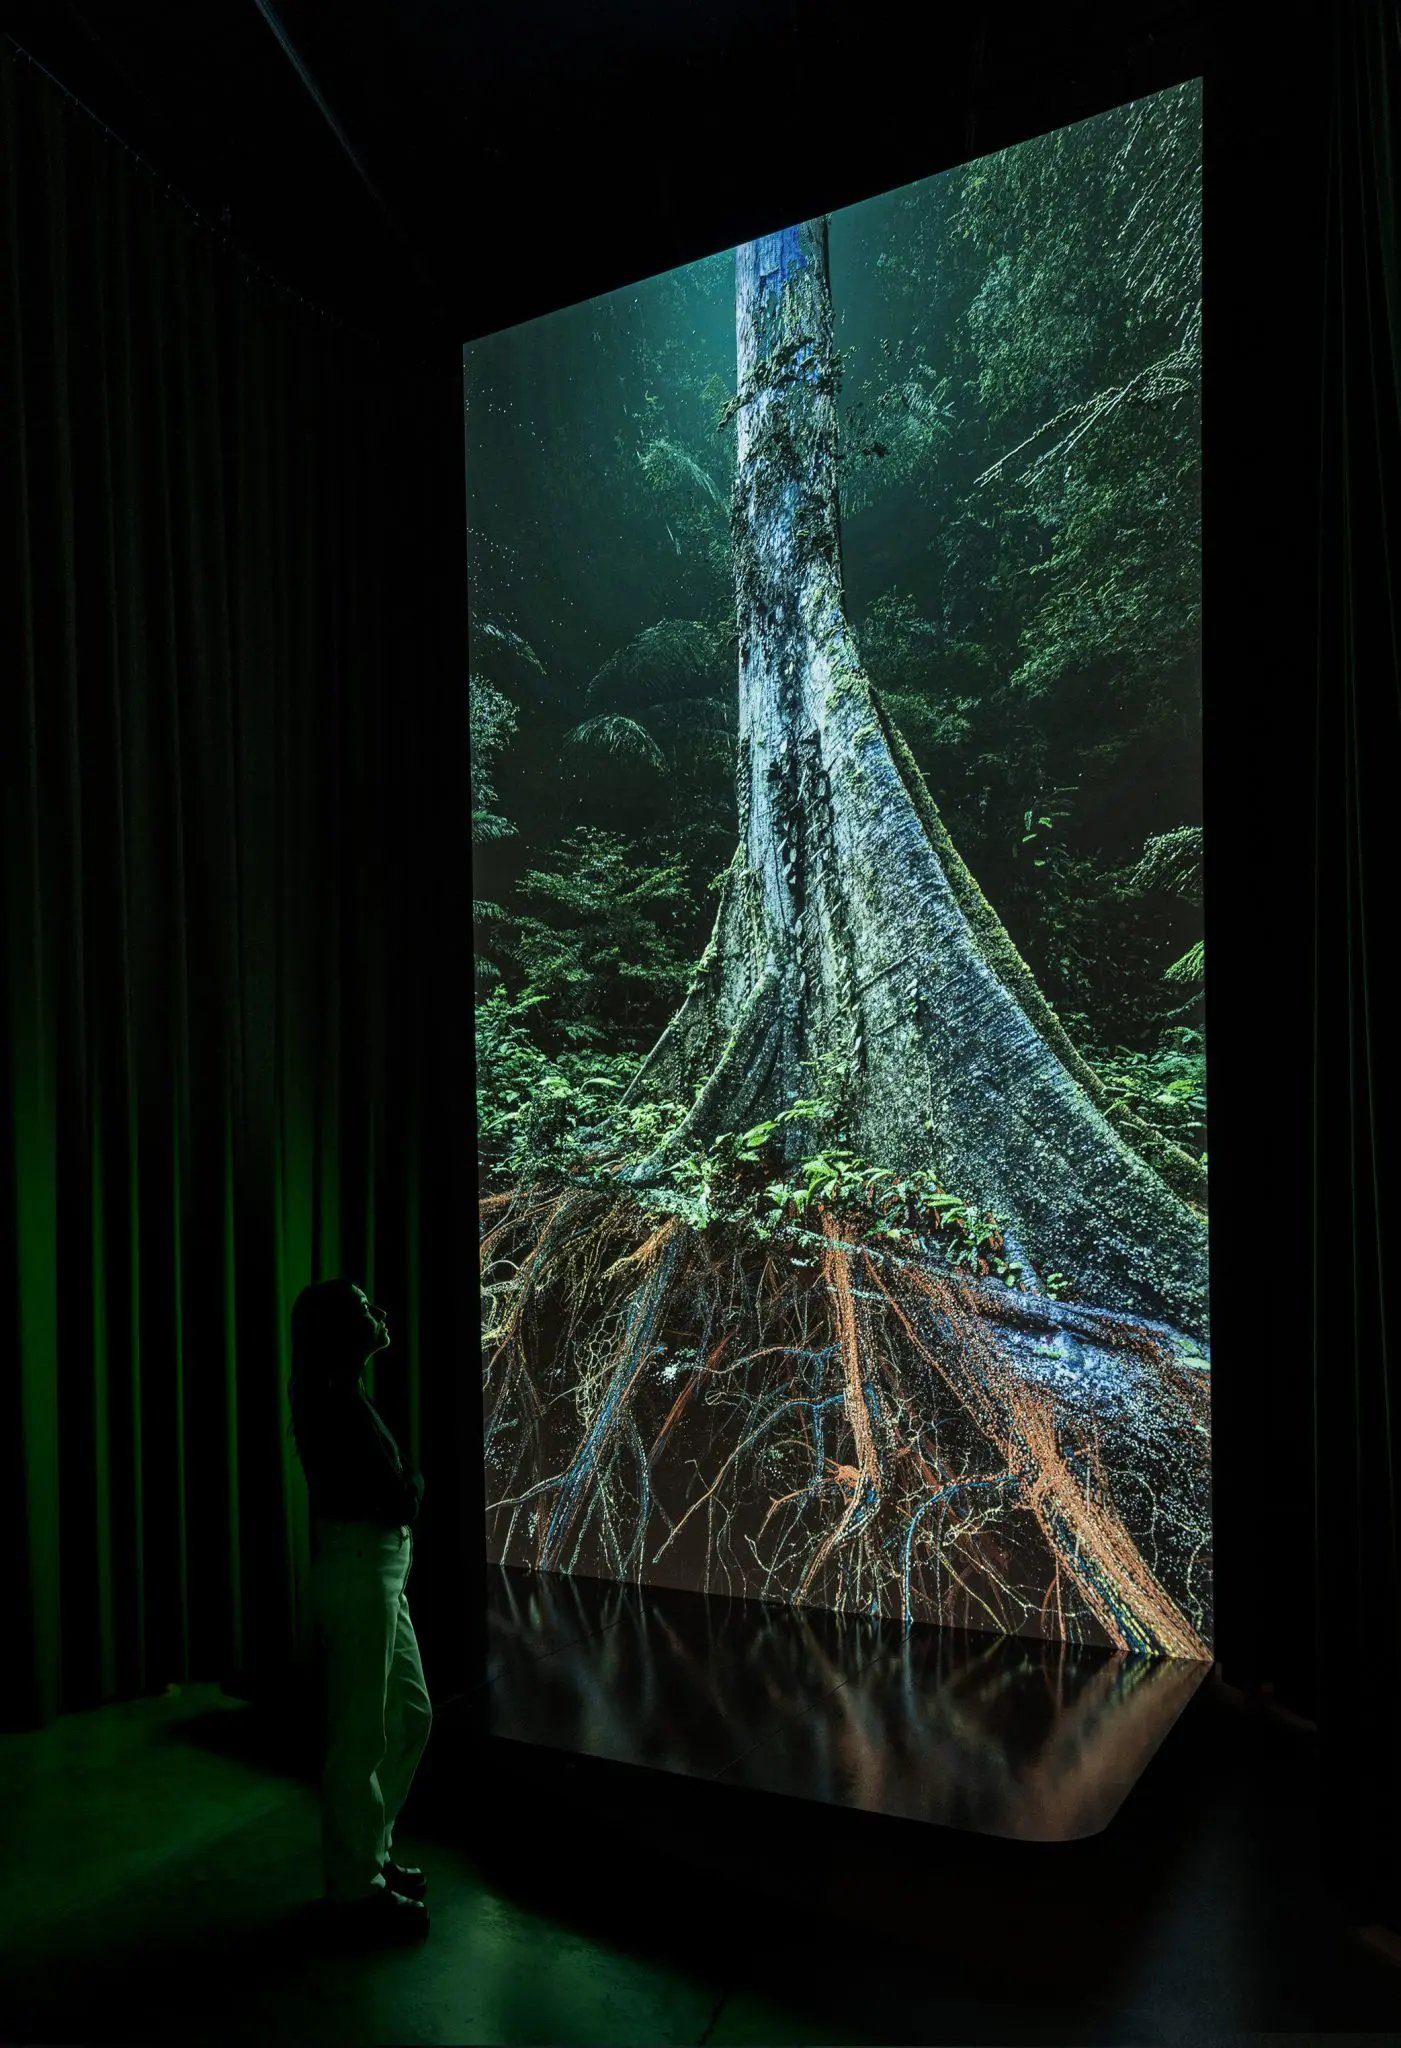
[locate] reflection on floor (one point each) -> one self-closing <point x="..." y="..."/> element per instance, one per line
<point x="1000" y="1736"/>
<point x="161" y="1873"/>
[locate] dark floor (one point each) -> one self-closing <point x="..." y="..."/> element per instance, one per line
<point x="161" y="1864"/>
<point x="1037" y="1741"/>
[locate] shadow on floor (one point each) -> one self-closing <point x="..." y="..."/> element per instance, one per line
<point x="163" y="1873"/>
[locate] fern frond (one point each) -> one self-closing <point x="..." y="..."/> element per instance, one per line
<point x="1191" y="967"/>
<point x="664" y="465"/>
<point x="620" y="736"/>
<point x="1172" y="375"/>
<point x="1171" y="860"/>
<point x="490" y="642"/>
<point x="673" y="657"/>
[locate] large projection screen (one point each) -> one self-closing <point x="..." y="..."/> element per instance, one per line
<point x="836" y="781"/>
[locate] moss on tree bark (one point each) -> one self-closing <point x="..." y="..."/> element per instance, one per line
<point x="854" y="957"/>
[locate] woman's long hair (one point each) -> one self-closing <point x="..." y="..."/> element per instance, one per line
<point x="321" y="1359"/>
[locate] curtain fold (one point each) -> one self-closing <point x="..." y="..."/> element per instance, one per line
<point x="1356" y="1124"/>
<point x="235" y="951"/>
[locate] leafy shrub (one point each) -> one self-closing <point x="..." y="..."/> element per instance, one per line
<point x="1165" y="1087"/>
<point x="610" y="948"/>
<point x="742" y="1177"/>
<point x="537" y="1115"/>
<point x="510" y="1066"/>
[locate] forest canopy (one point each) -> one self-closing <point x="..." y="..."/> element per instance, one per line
<point x="1019" y="349"/>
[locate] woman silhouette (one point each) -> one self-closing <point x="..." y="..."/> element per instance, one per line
<point x="364" y="1501"/>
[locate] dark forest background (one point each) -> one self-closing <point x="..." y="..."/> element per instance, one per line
<point x="1020" y="343"/>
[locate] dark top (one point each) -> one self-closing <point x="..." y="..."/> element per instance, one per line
<point x="355" y="1470"/>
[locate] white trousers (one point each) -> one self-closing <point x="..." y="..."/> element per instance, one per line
<point x="378" y="1713"/>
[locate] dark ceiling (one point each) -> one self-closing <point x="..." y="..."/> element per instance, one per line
<point x="433" y="169"/>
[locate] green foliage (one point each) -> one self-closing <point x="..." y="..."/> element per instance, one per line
<point x="666" y="700"/>
<point x="745" y="1178"/>
<point x="932" y="700"/>
<point x="605" y="956"/>
<point x="643" y="1126"/>
<point x="510" y="1066"/>
<point x="1039" y="829"/>
<point x="620" y="735"/>
<point x="1088" y="939"/>
<point x="557" y="1129"/>
<point x="899" y="649"/>
<point x="1165" y="1087"/>
<point x="1191" y="967"/>
<point x="1028" y="405"/>
<point x="492" y="722"/>
<point x="1048" y="662"/>
<point x="673" y="684"/>
<point x="1086" y="336"/>
<point x="542" y="1118"/>
<point x="502" y="654"/>
<point x="690" y="505"/>
<point x="1119" y="598"/>
<point x="1172" y="860"/>
<point x="898" y="426"/>
<point x="668" y="467"/>
<point x="673" y="475"/>
<point x="535" y="1114"/>
<point x="1092" y="238"/>
<point x="598" y="496"/>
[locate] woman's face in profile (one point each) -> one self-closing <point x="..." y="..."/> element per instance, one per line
<point x="370" y="1325"/>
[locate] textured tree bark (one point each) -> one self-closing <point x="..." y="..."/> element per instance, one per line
<point x="853" y="957"/>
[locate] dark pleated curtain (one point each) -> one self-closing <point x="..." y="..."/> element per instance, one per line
<point x="1302" y="301"/>
<point x="234" y="1006"/>
<point x="1355" y="1421"/>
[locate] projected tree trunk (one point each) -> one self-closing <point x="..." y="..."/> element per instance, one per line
<point x="869" y="1427"/>
<point x="846" y="954"/>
